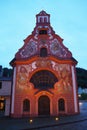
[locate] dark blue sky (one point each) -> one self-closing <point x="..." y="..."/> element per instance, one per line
<point x="68" y="19"/>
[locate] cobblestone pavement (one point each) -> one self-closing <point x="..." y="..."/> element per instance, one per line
<point x="76" y="122"/>
<point x="70" y="126"/>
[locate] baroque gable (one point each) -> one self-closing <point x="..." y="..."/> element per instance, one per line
<point x="43" y="36"/>
<point x="54" y="48"/>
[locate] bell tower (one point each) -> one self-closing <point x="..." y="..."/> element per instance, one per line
<point x="43" y="18"/>
<point x="43" y="26"/>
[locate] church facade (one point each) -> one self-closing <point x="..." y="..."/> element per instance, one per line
<point x="44" y="78"/>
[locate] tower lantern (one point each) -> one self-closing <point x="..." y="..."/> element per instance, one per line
<point x="42" y="18"/>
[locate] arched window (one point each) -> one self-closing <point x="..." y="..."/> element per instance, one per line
<point x="45" y="20"/>
<point x="43" y="79"/>
<point x="43" y="32"/>
<point x="43" y="52"/>
<point x="41" y="20"/>
<point x="26" y="105"/>
<point x="61" y="104"/>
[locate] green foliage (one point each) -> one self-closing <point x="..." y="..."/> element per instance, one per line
<point x="81" y="77"/>
<point x="83" y="96"/>
<point x="7" y="72"/>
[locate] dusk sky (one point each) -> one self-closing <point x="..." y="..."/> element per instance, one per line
<point x="68" y="19"/>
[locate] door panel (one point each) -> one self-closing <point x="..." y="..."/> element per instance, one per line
<point x="44" y="105"/>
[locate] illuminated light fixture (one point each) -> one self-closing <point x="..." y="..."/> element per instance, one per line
<point x="80" y="103"/>
<point x="79" y="95"/>
<point x="56" y="118"/>
<point x="30" y="120"/>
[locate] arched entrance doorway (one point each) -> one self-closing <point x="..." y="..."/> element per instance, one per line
<point x="44" y="105"/>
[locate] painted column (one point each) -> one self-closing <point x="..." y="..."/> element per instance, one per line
<point x="38" y="19"/>
<point x="13" y="91"/>
<point x="74" y="89"/>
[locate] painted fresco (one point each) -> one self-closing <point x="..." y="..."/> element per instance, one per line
<point x="54" y="47"/>
<point x="57" y="49"/>
<point x="29" y="50"/>
<point x="65" y="78"/>
<point x="22" y="78"/>
<point x="63" y="71"/>
<point x="41" y="62"/>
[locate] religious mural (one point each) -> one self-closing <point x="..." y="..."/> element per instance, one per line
<point x="65" y="79"/>
<point x="44" y="62"/>
<point x="22" y="78"/>
<point x="29" y="50"/>
<point x="64" y="83"/>
<point x="58" y="50"/>
<point x="53" y="46"/>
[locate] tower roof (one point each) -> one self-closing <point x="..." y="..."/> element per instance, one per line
<point x="43" y="17"/>
<point x="43" y="13"/>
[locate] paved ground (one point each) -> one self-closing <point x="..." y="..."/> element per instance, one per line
<point x="76" y="122"/>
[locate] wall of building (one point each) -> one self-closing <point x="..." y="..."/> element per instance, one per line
<point x="64" y="89"/>
<point x="6" y="88"/>
<point x="5" y="93"/>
